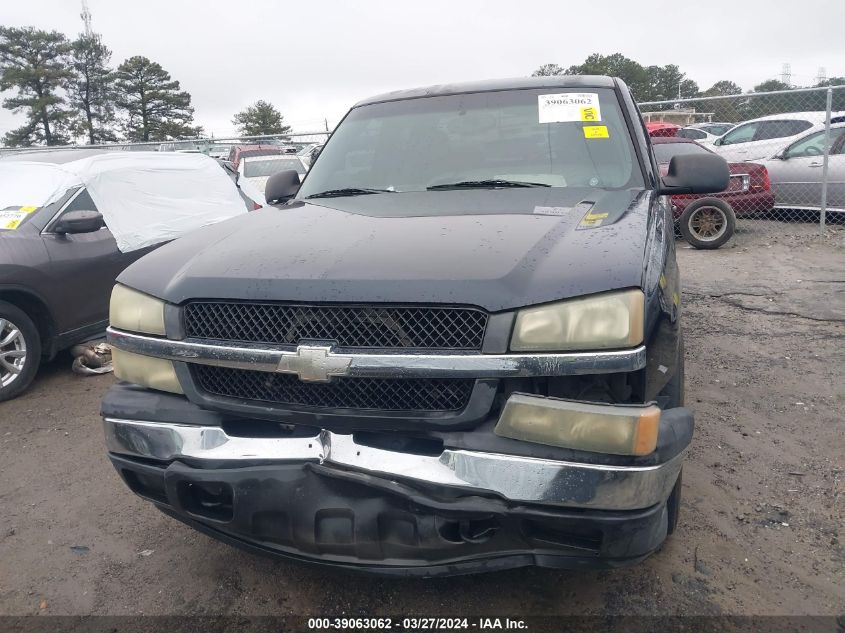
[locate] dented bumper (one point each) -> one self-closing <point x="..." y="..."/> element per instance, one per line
<point x="334" y="498"/>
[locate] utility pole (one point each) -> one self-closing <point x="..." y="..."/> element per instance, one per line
<point x="822" y="76"/>
<point x="786" y="74"/>
<point x="86" y="19"/>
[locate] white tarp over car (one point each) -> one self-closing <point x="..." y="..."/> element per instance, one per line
<point x="145" y="197"/>
<point x="26" y="184"/>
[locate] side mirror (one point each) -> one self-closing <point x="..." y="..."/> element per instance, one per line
<point x="282" y="186"/>
<point x="718" y="141"/>
<point x="79" y="222"/>
<point x="695" y="173"/>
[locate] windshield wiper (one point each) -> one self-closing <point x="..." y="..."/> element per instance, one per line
<point x="486" y="184"/>
<point x="350" y="191"/>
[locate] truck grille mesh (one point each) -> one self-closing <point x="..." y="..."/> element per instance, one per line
<point x="383" y="327"/>
<point x="384" y="394"/>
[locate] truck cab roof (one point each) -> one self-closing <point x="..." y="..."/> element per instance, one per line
<point x="494" y="85"/>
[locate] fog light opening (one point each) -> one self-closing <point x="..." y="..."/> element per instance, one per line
<point x="211" y="500"/>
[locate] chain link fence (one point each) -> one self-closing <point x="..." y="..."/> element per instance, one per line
<point x="786" y="152"/>
<point x="299" y="142"/>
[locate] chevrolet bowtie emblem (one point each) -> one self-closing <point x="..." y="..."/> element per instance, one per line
<point x="314" y="363"/>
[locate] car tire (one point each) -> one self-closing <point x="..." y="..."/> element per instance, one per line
<point x="707" y="223"/>
<point x="20" y="356"/>
<point x="673" y="504"/>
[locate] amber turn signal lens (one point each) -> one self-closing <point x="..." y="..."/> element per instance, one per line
<point x="599" y="428"/>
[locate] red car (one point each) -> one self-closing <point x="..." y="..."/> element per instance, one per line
<point x="240" y="151"/>
<point x="708" y="221"/>
<point x="660" y="129"/>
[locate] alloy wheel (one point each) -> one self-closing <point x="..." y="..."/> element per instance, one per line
<point x="12" y="352"/>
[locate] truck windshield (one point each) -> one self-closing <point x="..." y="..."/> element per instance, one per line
<point x="552" y="137"/>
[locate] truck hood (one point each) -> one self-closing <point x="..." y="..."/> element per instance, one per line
<point x="497" y="249"/>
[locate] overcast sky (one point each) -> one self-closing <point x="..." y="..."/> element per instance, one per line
<point x="315" y="58"/>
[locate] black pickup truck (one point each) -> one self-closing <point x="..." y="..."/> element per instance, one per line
<point x="455" y="347"/>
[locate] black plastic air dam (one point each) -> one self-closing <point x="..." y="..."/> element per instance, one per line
<point x="363" y="523"/>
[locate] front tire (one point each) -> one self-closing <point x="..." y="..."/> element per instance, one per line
<point x="20" y="351"/>
<point x="707" y="223"/>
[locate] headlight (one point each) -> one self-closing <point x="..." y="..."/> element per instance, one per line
<point x="612" y="320"/>
<point x="134" y="311"/>
<point x="155" y="373"/>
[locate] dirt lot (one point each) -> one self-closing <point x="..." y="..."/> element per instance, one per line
<point x="764" y="486"/>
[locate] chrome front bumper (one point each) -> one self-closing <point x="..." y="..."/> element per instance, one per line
<point x="515" y="478"/>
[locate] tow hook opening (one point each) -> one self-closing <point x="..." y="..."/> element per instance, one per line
<point x="477" y="530"/>
<point x="211" y="500"/>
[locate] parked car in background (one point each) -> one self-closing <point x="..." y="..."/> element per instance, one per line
<point x="237" y="152"/>
<point x="220" y="150"/>
<point x="796" y="171"/>
<point x="309" y="153"/>
<point x="257" y="169"/>
<point x="251" y="195"/>
<point x="705" y="133"/>
<point x="708" y="221"/>
<point x="661" y="128"/>
<point x="70" y="222"/>
<point x="760" y="138"/>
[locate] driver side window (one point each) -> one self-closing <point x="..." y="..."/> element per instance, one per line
<point x="692" y="133"/>
<point x="813" y="145"/>
<point x="740" y="134"/>
<point x="82" y="202"/>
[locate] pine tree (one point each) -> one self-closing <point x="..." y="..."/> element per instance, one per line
<point x="35" y="63"/>
<point x="548" y="70"/>
<point x="260" y="118"/>
<point x="153" y="105"/>
<point x="91" y="90"/>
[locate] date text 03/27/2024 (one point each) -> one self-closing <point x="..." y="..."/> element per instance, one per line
<point x="417" y="624"/>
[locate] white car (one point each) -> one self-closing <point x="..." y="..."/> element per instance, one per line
<point x="760" y="138"/>
<point x="257" y="169"/>
<point x="705" y="133"/>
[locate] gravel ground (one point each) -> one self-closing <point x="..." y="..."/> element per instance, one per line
<point x="761" y="530"/>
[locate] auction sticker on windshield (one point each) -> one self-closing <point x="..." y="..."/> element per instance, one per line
<point x="596" y="131"/>
<point x="11" y="218"/>
<point x="569" y="106"/>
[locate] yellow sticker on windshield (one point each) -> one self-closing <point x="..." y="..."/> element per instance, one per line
<point x="596" y="131"/>
<point x="593" y="219"/>
<point x="10" y="219"/>
<point x="590" y="114"/>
